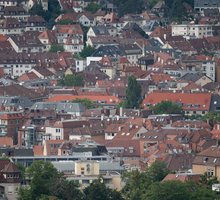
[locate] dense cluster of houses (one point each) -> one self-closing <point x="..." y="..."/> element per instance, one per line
<point x="173" y="62"/>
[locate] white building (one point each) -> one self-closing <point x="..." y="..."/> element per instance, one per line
<point x="192" y="30"/>
<point x="201" y="5"/>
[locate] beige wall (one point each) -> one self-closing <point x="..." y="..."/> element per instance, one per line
<point x="201" y="169"/>
<point x="89" y="168"/>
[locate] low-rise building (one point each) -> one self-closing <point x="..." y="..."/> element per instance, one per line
<point x="192" y="30"/>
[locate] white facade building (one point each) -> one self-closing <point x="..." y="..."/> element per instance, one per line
<point x="192" y="30"/>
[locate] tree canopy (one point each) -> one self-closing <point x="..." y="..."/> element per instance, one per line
<point x="72" y="80"/>
<point x="56" y="48"/>
<point x="87" y="51"/>
<point x="133" y="93"/>
<point x="129" y="6"/>
<point x="93" y="7"/>
<point x="47" y="182"/>
<point x="50" y="15"/>
<point x="98" y="191"/>
<point x="212" y="118"/>
<point x="86" y="102"/>
<point x="167" y="107"/>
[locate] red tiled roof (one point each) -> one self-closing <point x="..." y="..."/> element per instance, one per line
<point x="189" y="100"/>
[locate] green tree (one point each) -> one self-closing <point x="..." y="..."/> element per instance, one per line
<point x="66" y="190"/>
<point x="42" y="175"/>
<point x="207" y="180"/>
<point x="152" y="3"/>
<point x="212" y="118"/>
<point x="167" y="107"/>
<point x="87" y="51"/>
<point x="72" y="80"/>
<point x="98" y="191"/>
<point x="168" y="190"/>
<point x="129" y="6"/>
<point x="138" y="182"/>
<point x="56" y="48"/>
<point x="93" y="7"/>
<point x="37" y="9"/>
<point x="157" y="171"/>
<point x="47" y="183"/>
<point x="86" y="102"/>
<point x="133" y="93"/>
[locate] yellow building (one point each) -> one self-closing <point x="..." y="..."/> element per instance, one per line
<point x="88" y="171"/>
<point x="208" y="161"/>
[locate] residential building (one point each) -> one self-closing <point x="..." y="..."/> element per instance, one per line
<point x="192" y="30"/>
<point x="10" y="180"/>
<point x="192" y="103"/>
<point x="208" y="161"/>
<point x="201" y="5"/>
<point x="88" y="171"/>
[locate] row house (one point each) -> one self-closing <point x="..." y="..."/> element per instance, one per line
<point x="192" y="103"/>
<point x="71" y="36"/>
<point x="28" y="4"/>
<point x="5" y="3"/>
<point x="15" y="12"/>
<point x="10" y="26"/>
<point x="48" y="37"/>
<point x="201" y="63"/>
<point x="15" y="64"/>
<point x="201" y="5"/>
<point x="35" y="23"/>
<point x="192" y="30"/>
<point x="10" y="123"/>
<point x="28" y="42"/>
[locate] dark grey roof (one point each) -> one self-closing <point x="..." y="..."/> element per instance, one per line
<point x="215" y="103"/>
<point x="112" y="51"/>
<point x="192" y="76"/>
<point x="59" y="107"/>
<point x="16" y="152"/>
<point x="100" y="30"/>
<point x="15" y="101"/>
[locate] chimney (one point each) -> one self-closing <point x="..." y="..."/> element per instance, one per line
<point x="165" y="36"/>
<point x="189" y="128"/>
<point x="121" y="112"/>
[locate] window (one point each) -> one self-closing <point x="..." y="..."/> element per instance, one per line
<point x="210" y="172"/>
<point x="57" y="130"/>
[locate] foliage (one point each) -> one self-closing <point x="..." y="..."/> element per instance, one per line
<point x="93" y="7"/>
<point x="46" y="182"/>
<point x="86" y="102"/>
<point x="138" y="182"/>
<point x="152" y="3"/>
<point x="207" y="180"/>
<point x="167" y="107"/>
<point x="87" y="51"/>
<point x="177" y="10"/>
<point x="169" y="190"/>
<point x="129" y="6"/>
<point x="98" y="191"/>
<point x="50" y="15"/>
<point x="56" y="48"/>
<point x="133" y="93"/>
<point x="85" y="31"/>
<point x="157" y="171"/>
<point x="212" y="118"/>
<point x="72" y="80"/>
